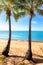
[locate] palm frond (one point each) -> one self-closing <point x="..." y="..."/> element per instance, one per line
<point x="15" y="8"/>
<point x="39" y="3"/>
<point x="40" y="11"/>
<point x="18" y="15"/>
<point x="7" y="18"/>
<point x="1" y="11"/>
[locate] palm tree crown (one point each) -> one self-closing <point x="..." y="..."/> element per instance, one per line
<point x="29" y="6"/>
<point x="9" y="7"/>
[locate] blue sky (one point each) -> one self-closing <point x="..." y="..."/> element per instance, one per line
<point x="22" y="24"/>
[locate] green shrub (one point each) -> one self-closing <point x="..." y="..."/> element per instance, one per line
<point x="21" y="63"/>
<point x="1" y="58"/>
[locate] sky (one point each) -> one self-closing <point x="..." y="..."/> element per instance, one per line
<point x="22" y="24"/>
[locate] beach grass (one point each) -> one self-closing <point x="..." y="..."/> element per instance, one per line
<point x="2" y="57"/>
<point x="22" y="63"/>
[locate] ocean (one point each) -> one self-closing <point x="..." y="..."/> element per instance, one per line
<point x="22" y="35"/>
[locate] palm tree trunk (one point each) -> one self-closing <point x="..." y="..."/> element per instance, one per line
<point x="6" y="50"/>
<point x="29" y="52"/>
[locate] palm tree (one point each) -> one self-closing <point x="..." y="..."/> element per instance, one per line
<point x="30" y="6"/>
<point x="11" y="9"/>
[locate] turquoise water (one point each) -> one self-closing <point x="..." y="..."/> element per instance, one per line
<point x="22" y="35"/>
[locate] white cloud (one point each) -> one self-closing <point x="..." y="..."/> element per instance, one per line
<point x="34" y="22"/>
<point x="19" y="28"/>
<point x="3" y="26"/>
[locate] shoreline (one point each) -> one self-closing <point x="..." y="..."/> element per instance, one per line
<point x="19" y="40"/>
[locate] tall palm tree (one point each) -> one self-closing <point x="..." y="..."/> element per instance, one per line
<point x="10" y="8"/>
<point x="30" y="6"/>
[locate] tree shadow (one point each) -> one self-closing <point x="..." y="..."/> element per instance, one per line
<point x="38" y="55"/>
<point x="16" y="56"/>
<point x="38" y="60"/>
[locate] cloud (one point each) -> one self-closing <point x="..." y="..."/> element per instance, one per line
<point x="19" y="28"/>
<point x="3" y="26"/>
<point x="34" y="22"/>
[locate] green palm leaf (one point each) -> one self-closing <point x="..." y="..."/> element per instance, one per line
<point x="18" y="15"/>
<point x="40" y="11"/>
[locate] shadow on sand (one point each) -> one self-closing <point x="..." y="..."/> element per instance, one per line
<point x="38" y="55"/>
<point x="16" y="56"/>
<point x="37" y="60"/>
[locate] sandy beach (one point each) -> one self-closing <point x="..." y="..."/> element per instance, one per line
<point x="19" y="48"/>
